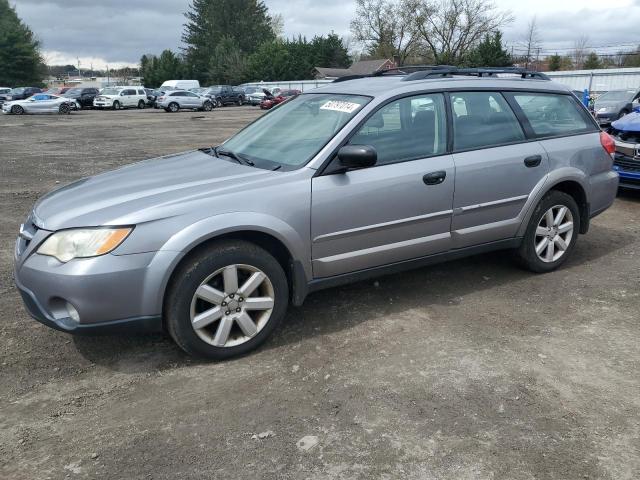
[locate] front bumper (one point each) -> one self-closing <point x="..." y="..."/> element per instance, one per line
<point x="111" y="293"/>
<point x="628" y="169"/>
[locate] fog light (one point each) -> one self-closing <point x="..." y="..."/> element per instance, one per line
<point x="73" y="313"/>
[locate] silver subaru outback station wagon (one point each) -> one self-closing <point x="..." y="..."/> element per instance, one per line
<point x="356" y="179"/>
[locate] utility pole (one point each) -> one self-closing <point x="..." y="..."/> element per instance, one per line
<point x="537" y="58"/>
<point x="79" y="72"/>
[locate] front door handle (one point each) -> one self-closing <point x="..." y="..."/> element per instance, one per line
<point x="532" y="161"/>
<point x="434" y="178"/>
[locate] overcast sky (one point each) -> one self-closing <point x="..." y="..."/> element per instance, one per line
<point x="118" y="32"/>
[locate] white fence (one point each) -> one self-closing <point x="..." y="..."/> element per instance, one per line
<point x="598" y="81"/>
<point x="302" y="85"/>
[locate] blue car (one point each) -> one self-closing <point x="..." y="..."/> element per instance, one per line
<point x="626" y="132"/>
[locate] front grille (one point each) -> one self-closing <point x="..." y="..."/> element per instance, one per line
<point x="627" y="163"/>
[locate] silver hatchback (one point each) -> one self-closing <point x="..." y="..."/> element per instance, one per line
<point x="355" y="179"/>
<point x="174" y="100"/>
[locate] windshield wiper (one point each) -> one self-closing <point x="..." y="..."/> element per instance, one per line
<point x="237" y="157"/>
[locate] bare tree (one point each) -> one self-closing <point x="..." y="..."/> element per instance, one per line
<point x="277" y="24"/>
<point x="580" y="51"/>
<point x="386" y="27"/>
<point x="450" y="29"/>
<point x="531" y="41"/>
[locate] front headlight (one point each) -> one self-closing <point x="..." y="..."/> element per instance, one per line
<point x="66" y="245"/>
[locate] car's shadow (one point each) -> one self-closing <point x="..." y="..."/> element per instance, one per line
<point x="327" y="311"/>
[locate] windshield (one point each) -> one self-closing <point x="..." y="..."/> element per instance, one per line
<point x="74" y="91"/>
<point x="111" y="91"/>
<point x="616" y="95"/>
<point x="291" y="134"/>
<point x="18" y="90"/>
<point x="250" y="89"/>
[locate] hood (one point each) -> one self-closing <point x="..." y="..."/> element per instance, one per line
<point x="146" y="191"/>
<point x="628" y="123"/>
<point x="613" y="104"/>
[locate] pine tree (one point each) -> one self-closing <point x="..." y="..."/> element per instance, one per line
<point x="555" y="62"/>
<point x="20" y="60"/>
<point x="490" y="53"/>
<point x="246" y="23"/>
<point x="592" y="62"/>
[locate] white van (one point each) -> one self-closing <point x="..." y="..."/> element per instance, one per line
<point x="181" y="84"/>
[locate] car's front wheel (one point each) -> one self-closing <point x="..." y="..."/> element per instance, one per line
<point x="225" y="300"/>
<point x="552" y="233"/>
<point x="116" y="105"/>
<point x="207" y="106"/>
<point x="141" y="104"/>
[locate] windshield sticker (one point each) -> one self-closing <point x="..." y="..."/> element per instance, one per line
<point x="339" y="106"/>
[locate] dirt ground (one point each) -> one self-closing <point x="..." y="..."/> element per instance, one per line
<point x="468" y="370"/>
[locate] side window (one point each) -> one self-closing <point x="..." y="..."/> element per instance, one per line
<point x="190" y="94"/>
<point x="141" y="92"/>
<point x="483" y="119"/>
<point x="406" y="129"/>
<point x="552" y="114"/>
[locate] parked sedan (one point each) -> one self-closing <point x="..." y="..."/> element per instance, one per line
<point x="19" y="93"/>
<point x="40" y="103"/>
<point x="270" y="102"/>
<point x="177" y="99"/>
<point x="615" y="104"/>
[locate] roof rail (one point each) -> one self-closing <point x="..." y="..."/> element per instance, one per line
<point x="474" y="72"/>
<point x="421" y="72"/>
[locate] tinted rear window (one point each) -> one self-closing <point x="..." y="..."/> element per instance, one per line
<point x="551" y="114"/>
<point x="483" y="119"/>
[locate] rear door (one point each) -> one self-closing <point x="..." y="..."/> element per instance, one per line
<point x="497" y="168"/>
<point x="397" y="210"/>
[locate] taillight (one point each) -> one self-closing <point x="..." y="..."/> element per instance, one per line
<point x="161" y="98"/>
<point x="608" y="143"/>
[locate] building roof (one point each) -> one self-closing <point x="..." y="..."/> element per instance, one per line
<point x="362" y="67"/>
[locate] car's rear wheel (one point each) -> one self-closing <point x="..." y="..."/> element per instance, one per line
<point x="116" y="105"/>
<point x="207" y="106"/>
<point x="226" y="300"/>
<point x="173" y="107"/>
<point x="17" y="110"/>
<point x="141" y="104"/>
<point x="552" y="233"/>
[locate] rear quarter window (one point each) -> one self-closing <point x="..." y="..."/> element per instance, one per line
<point x="552" y="115"/>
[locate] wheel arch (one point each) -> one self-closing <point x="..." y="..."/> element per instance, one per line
<point x="578" y="193"/>
<point x="271" y="240"/>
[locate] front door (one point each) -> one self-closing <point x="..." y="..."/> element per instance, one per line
<point x="496" y="168"/>
<point x="397" y="210"/>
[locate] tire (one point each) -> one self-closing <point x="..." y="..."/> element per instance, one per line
<point x="17" y="110"/>
<point x="116" y="105"/>
<point x="240" y="101"/>
<point x="205" y="267"/>
<point x="207" y="106"/>
<point x="64" y="109"/>
<point x="141" y="104"/>
<point x="541" y="236"/>
<point x="219" y="103"/>
<point x="173" y="107"/>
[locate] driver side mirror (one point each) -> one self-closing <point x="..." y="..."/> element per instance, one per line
<point x="357" y="156"/>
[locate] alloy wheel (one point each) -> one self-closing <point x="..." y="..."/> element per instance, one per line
<point x="554" y="233"/>
<point x="232" y="305"/>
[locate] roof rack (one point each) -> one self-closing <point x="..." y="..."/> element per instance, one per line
<point x="421" y="72"/>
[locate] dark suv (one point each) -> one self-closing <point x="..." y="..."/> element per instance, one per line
<point x="84" y="96"/>
<point x="225" y="95"/>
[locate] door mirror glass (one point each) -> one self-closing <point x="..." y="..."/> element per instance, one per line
<point x="357" y="156"/>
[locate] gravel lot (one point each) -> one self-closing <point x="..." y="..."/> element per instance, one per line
<point x="467" y="370"/>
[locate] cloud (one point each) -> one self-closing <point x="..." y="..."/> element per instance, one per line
<point x="120" y="31"/>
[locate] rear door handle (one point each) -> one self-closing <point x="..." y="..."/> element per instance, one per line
<point x="533" y="161"/>
<point x="434" y="178"/>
